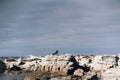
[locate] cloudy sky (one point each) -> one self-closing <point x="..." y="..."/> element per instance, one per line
<point x="40" y="27"/>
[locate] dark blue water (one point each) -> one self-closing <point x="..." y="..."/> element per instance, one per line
<point x="13" y="76"/>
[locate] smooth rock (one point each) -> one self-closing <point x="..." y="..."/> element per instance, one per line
<point x="78" y="72"/>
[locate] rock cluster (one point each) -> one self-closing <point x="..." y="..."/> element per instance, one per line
<point x="55" y="64"/>
<point x="98" y="62"/>
<point x="77" y="67"/>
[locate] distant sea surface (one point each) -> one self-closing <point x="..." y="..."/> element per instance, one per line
<point x="86" y="51"/>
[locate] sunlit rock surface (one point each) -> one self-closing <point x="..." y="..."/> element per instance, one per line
<point x="60" y="64"/>
<point x="74" y="67"/>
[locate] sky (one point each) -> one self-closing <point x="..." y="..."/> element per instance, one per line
<point x="40" y="27"/>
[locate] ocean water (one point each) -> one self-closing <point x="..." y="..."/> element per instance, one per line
<point x="19" y="76"/>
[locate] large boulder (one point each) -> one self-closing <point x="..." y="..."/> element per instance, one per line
<point x="55" y="64"/>
<point x="2" y="67"/>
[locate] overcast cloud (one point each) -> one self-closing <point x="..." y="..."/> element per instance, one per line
<point x="76" y="26"/>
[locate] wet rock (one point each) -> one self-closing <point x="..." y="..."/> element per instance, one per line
<point x="2" y="67"/>
<point x="44" y="77"/>
<point x="15" y="68"/>
<point x="61" y="78"/>
<point x="30" y="78"/>
<point x="14" y="79"/>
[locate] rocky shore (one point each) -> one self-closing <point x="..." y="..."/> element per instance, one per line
<point x="61" y="67"/>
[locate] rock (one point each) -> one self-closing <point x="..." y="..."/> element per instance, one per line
<point x="61" y="78"/>
<point x="87" y="76"/>
<point x="15" y="68"/>
<point x="30" y="78"/>
<point x="84" y="59"/>
<point x="85" y="68"/>
<point x="14" y="79"/>
<point x="45" y="77"/>
<point x="78" y="72"/>
<point x="111" y="74"/>
<point x="55" y="64"/>
<point x="20" y="62"/>
<point x="2" y="67"/>
<point x="59" y="67"/>
<point x="10" y="62"/>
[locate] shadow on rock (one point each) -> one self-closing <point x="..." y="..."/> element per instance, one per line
<point x="2" y="67"/>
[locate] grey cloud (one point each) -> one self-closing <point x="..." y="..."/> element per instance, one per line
<point x="27" y="26"/>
